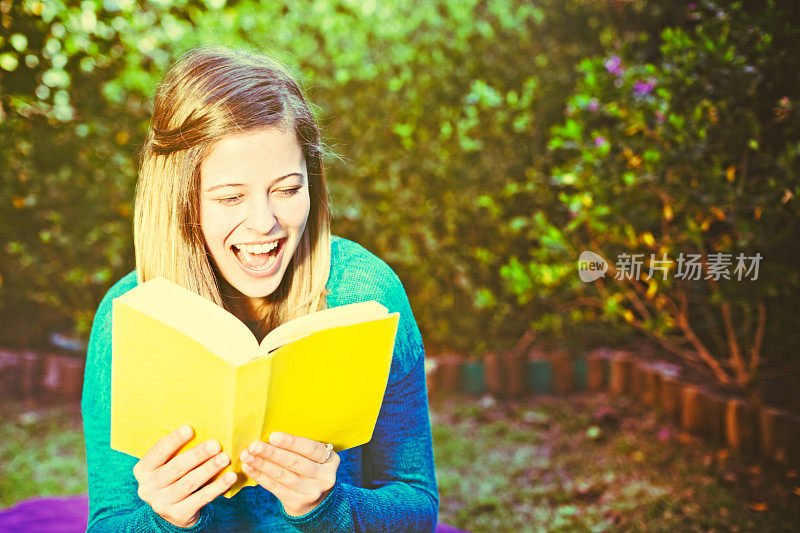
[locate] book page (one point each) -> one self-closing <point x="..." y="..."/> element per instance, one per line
<point x="249" y="406"/>
<point x="329" y="386"/>
<point x="207" y="323"/>
<point x="161" y="379"/>
<point x="344" y="315"/>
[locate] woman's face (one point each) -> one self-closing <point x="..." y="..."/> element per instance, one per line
<point x="254" y="205"/>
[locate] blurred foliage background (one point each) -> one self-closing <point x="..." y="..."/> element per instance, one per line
<point x="479" y="146"/>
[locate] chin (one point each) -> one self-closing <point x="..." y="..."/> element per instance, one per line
<point x="257" y="292"/>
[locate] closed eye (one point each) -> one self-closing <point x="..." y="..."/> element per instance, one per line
<point x="229" y="200"/>
<point x="288" y="191"/>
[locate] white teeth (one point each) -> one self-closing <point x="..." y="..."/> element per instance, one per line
<point x="256" y="248"/>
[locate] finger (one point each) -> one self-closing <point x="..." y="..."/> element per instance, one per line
<point x="281" y="474"/>
<point x="196" y="478"/>
<point x="193" y="503"/>
<point x="281" y="491"/>
<point x="164" y="448"/>
<point x="312" y="449"/>
<point x="185" y="462"/>
<point x="257" y="452"/>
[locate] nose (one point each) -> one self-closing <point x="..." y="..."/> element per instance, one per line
<point x="260" y="217"/>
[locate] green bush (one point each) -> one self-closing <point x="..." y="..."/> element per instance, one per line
<point x="469" y="147"/>
<point x="436" y="109"/>
<point x="694" y="152"/>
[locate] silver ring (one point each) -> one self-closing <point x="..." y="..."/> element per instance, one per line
<point x="329" y="447"/>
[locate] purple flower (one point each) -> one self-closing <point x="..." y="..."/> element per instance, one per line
<point x="599" y="141"/>
<point x="643" y="87"/>
<point x="692" y="6"/>
<point x="613" y="65"/>
<point x="593" y="105"/>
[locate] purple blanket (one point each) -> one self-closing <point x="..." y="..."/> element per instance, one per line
<point x="62" y="514"/>
<point x="68" y="514"/>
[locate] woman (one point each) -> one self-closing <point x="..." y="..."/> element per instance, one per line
<point x="232" y="204"/>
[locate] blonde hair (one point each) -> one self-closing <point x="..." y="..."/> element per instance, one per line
<point x="208" y="93"/>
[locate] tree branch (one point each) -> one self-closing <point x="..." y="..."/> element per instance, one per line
<point x="755" y="350"/>
<point x="702" y="351"/>
<point x="736" y="357"/>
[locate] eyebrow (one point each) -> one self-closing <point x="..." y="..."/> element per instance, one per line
<point x="220" y="186"/>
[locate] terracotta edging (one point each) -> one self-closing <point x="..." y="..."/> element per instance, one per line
<point x="597" y="369"/>
<point x="621" y="370"/>
<point x="41" y="377"/>
<point x="514" y="367"/>
<point x="741" y="425"/>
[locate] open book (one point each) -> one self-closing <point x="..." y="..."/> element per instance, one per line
<point x="178" y="358"/>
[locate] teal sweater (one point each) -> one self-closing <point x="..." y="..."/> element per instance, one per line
<point x="388" y="484"/>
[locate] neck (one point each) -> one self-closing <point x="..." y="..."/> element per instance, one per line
<point x="245" y="308"/>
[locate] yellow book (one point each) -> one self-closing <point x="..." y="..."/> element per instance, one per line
<point x="178" y="358"/>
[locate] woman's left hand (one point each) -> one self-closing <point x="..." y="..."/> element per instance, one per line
<point x="291" y="468"/>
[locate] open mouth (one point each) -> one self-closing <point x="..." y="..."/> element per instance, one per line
<point x="261" y="257"/>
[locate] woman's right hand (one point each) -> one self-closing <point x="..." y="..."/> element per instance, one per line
<point x="170" y="486"/>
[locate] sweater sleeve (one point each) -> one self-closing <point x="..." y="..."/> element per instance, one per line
<point x="399" y="492"/>
<point x="114" y="503"/>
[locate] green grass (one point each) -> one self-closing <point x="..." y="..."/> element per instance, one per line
<point x="547" y="465"/>
<point x="41" y="452"/>
<point x="533" y="465"/>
